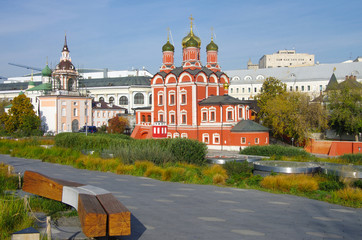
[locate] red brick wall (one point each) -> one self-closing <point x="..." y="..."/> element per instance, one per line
<point x="333" y="148"/>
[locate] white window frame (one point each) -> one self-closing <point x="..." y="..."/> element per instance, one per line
<point x="172" y="93"/>
<point x="204" y="136"/>
<point x="204" y="111"/>
<point x="214" y="137"/>
<point x="184" y="135"/>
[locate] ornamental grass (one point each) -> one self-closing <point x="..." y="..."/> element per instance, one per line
<point x="285" y="183"/>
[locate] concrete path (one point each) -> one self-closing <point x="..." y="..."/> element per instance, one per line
<point x="165" y="210"/>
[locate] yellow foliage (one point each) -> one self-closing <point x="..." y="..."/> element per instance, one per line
<point x="154" y="171"/>
<point x="4" y="169"/>
<point x="144" y="165"/>
<point x="285" y="183"/>
<point x="124" y="169"/>
<point x="218" y="179"/>
<point x="215" y="169"/>
<point x="173" y="173"/>
<point x="350" y="194"/>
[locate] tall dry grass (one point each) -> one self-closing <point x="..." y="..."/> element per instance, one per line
<point x="216" y="173"/>
<point x="285" y="183"/>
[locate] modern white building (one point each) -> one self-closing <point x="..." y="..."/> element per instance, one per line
<point x="246" y="84"/>
<point x="286" y="58"/>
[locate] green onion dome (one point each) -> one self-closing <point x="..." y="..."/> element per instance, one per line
<point x="212" y="46"/>
<point x="188" y="37"/>
<point x="168" y="47"/>
<point x="46" y="72"/>
<point x="192" y="42"/>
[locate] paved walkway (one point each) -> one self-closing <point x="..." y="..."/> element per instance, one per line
<point x="165" y="210"/>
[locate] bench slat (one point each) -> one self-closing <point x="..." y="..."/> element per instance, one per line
<point x="119" y="217"/>
<point x="92" y="216"/>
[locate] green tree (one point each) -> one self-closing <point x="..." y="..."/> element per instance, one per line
<point x="271" y="88"/>
<point x="345" y="107"/>
<point x="117" y="125"/>
<point x="21" y="117"/>
<point x="291" y="115"/>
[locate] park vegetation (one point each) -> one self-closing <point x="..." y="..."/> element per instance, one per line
<point x="289" y="115"/>
<point x="319" y="186"/>
<point x="21" y="120"/>
<point x="15" y="214"/>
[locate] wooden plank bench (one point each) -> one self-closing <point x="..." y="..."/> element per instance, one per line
<point x="100" y="213"/>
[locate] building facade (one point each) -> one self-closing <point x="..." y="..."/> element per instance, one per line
<point x="286" y="58"/>
<point x="312" y="80"/>
<point x="192" y="101"/>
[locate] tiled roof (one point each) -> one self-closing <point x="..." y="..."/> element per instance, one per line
<point x="120" y="81"/>
<point x="221" y="100"/>
<point x="41" y="87"/>
<point x="16" y="86"/>
<point x="177" y="71"/>
<point x="249" y="126"/>
<point x="332" y="84"/>
<point x="319" y="72"/>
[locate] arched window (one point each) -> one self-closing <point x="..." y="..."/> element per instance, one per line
<point x="111" y="100"/>
<point x="143" y="118"/>
<point x="150" y="99"/>
<point x="71" y="85"/>
<point x="149" y="118"/>
<point x="101" y="99"/>
<point x="123" y="100"/>
<point x="138" y="98"/>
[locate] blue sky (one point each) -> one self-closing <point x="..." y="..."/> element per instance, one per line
<point x="119" y="35"/>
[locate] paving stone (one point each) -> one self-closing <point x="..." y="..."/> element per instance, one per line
<point x="247" y="232"/>
<point x="211" y="219"/>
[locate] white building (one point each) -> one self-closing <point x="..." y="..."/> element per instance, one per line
<point x="286" y="58"/>
<point x="246" y="84"/>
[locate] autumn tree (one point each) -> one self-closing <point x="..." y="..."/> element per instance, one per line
<point x="290" y="114"/>
<point x="117" y="125"/>
<point x="21" y="118"/>
<point x="345" y="107"/>
<point x="271" y="88"/>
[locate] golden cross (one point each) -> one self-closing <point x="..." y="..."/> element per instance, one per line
<point x="168" y="34"/>
<point x="212" y="33"/>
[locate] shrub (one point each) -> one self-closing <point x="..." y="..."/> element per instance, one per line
<point x="351" y="194"/>
<point x="188" y="150"/>
<point x="330" y="182"/>
<point x="277" y="151"/>
<point x="142" y="166"/>
<point x="154" y="172"/>
<point x="124" y="169"/>
<point x="357" y="183"/>
<point x="215" y="169"/>
<point x="218" y="179"/>
<point x="173" y="174"/>
<point x="352" y="158"/>
<point x="286" y="183"/>
<point x="238" y="169"/>
<point x="254" y="180"/>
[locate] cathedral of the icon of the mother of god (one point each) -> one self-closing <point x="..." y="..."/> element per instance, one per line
<point x="192" y="101"/>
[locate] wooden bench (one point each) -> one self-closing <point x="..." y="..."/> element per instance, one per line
<point x="100" y="213"/>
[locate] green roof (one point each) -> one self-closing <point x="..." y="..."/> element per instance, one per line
<point x="46" y="72"/>
<point x="212" y="46"/>
<point x="168" y="47"/>
<point x="42" y="87"/>
<point x="249" y="126"/>
<point x="332" y="84"/>
<point x="192" y="42"/>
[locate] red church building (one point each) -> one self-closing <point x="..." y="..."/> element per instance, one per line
<point x="192" y="101"/>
